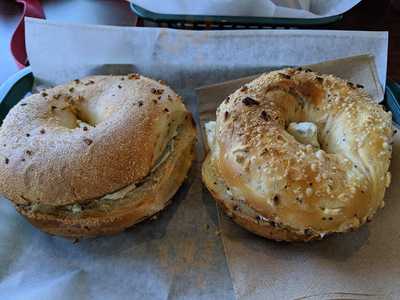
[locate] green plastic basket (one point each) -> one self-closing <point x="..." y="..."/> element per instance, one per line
<point x="14" y="89"/>
<point x="225" y="22"/>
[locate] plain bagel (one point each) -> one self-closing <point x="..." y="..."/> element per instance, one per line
<point x="296" y="155"/>
<point x="93" y="156"/>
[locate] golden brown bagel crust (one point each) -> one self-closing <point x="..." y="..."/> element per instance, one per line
<point x="47" y="158"/>
<point x="307" y="191"/>
<point x="101" y="217"/>
<point x="244" y="216"/>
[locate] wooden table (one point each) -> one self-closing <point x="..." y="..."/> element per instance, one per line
<point x="376" y="15"/>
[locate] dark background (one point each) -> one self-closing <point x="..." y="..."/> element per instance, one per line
<point x="367" y="15"/>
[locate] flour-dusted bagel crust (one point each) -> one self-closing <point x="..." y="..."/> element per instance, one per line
<point x="53" y="160"/>
<point x="73" y="144"/>
<point x="280" y="186"/>
<point x="110" y="214"/>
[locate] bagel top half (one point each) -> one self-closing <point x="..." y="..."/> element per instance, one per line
<point x="86" y="139"/>
<point x="302" y="153"/>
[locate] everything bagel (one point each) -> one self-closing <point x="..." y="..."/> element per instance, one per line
<point x="296" y="155"/>
<point x="96" y="155"/>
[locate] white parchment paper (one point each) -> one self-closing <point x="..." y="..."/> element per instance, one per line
<point x="254" y="8"/>
<point x="179" y="255"/>
<point x="186" y="59"/>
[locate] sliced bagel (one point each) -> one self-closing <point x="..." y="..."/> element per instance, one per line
<point x="96" y="155"/>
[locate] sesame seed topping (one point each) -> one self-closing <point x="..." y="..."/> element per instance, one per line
<point x="28" y="152"/>
<point x="319" y="154"/>
<point x="314" y="167"/>
<point x="385" y="145"/>
<point x="23" y="104"/>
<point x="44" y="94"/>
<point x="42" y="131"/>
<point x="27" y="135"/>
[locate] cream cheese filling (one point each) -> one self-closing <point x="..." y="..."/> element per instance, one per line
<point x="305" y="133"/>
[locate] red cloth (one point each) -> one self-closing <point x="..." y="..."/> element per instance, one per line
<point x="32" y="8"/>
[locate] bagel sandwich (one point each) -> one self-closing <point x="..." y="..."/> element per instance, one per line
<point x="296" y="155"/>
<point x="96" y="155"/>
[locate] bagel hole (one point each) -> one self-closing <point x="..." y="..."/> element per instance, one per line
<point x="306" y="133"/>
<point x="72" y="117"/>
<point x="83" y="116"/>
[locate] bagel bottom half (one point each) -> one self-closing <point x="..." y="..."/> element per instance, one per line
<point x="109" y="216"/>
